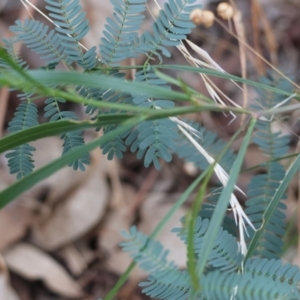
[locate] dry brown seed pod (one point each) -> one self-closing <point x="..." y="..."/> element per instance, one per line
<point x="225" y="11"/>
<point x="202" y="17"/>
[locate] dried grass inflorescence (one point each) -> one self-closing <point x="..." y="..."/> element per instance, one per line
<point x="225" y="11"/>
<point x="202" y="17"/>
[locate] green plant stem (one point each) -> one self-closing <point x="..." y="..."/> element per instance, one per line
<point x="155" y="232"/>
<point x="6" y="79"/>
<point x="29" y="181"/>
<point x="204" y="175"/>
<point x="269" y="161"/>
<point x="196" y="208"/>
<point x="55" y="128"/>
<point x="295" y="165"/>
<point x="222" y="204"/>
<point x="212" y="73"/>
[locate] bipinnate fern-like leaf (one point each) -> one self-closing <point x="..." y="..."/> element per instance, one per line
<point x="258" y="284"/>
<point x="261" y="279"/>
<point x="225" y="254"/>
<point x="35" y="36"/>
<point x="121" y="31"/>
<point x="286" y="277"/>
<point x="151" y="256"/>
<point x="164" y="286"/>
<point x="207" y="211"/>
<point x="72" y="27"/>
<point x="20" y="159"/>
<point x="263" y="186"/>
<point x="153" y="139"/>
<point x="273" y="144"/>
<point x="268" y="99"/>
<point x="169" y="29"/>
<point x="115" y="146"/>
<point x="210" y="142"/>
<point x="9" y="47"/>
<point x="260" y="192"/>
<point x="71" y="139"/>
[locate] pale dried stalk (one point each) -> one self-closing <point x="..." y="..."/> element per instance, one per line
<point x="241" y="34"/>
<point x="255" y="25"/>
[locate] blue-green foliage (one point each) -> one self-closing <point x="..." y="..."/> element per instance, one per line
<point x="151" y="256"/>
<point x="164" y="286"/>
<point x="207" y="210"/>
<point x="273" y="144"/>
<point x="257" y="282"/>
<point x="260" y="278"/>
<point x="260" y="191"/>
<point x="60" y="47"/>
<point x="35" y="36"/>
<point x="121" y="31"/>
<point x="169" y="29"/>
<point x="225" y="253"/>
<point x="72" y="27"/>
<point x="71" y="139"/>
<point x="263" y="186"/>
<point x="114" y="146"/>
<point x="120" y="36"/>
<point x="20" y="160"/>
<point x="9" y="46"/>
<point x="153" y="139"/>
<point x="210" y="142"/>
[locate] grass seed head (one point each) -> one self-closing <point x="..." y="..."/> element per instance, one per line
<point x="225" y="11"/>
<point x="202" y="17"/>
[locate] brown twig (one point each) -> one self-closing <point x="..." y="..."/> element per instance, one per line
<point x="255" y="13"/>
<point x="270" y="37"/>
<point x="142" y="193"/>
<point x="4" y="93"/>
<point x="260" y="56"/>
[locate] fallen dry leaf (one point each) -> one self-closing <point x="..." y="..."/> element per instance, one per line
<point x="116" y="220"/>
<point x="14" y="221"/>
<point x="6" y="291"/>
<point x="60" y="183"/>
<point x="74" y="260"/>
<point x="34" y="264"/>
<point x="152" y="212"/>
<point x="97" y="12"/>
<point x="47" y="150"/>
<point x="75" y="216"/>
